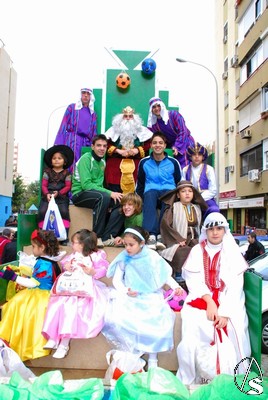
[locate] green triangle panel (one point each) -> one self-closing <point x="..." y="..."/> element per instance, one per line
<point x="131" y="58"/>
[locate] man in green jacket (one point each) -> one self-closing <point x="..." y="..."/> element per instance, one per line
<point x="88" y="191"/>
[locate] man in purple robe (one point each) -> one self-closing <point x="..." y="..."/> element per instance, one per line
<point x="79" y="125"/>
<point x="172" y="125"/>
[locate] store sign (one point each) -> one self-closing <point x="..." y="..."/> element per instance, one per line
<point x="256" y="202"/>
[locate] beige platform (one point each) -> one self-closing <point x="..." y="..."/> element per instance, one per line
<point x="91" y="354"/>
<point x="81" y="218"/>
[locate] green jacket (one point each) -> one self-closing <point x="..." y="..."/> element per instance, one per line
<point x="89" y="174"/>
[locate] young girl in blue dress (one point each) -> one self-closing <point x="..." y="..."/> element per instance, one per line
<point x="138" y="319"/>
<point x="23" y="315"/>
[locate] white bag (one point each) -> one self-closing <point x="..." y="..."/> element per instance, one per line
<point x="10" y="362"/>
<point x="53" y="220"/>
<point x="26" y="259"/>
<point x="216" y="358"/>
<point x="121" y="362"/>
<point x="75" y="283"/>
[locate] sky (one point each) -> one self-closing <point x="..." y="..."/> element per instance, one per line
<point x="60" y="46"/>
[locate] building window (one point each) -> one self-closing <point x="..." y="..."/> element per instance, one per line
<point x="226" y="99"/>
<point x="257" y="8"/>
<point x="251" y="159"/>
<point x="265" y="98"/>
<point x="251" y="64"/>
<point x="225" y="32"/>
<point x="226" y="174"/>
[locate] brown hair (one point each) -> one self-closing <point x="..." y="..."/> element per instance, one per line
<point x="47" y="239"/>
<point x="132" y="198"/>
<point x="88" y="239"/>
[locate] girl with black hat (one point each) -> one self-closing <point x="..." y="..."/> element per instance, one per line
<point x="56" y="181"/>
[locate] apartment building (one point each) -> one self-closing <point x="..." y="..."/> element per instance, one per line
<point x="242" y="64"/>
<point x="8" y="83"/>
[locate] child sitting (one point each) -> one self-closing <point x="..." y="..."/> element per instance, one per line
<point x="78" y="316"/>
<point x="23" y="315"/>
<point x="201" y="175"/>
<point x="56" y="181"/>
<point x="214" y="274"/>
<point x="138" y="319"/>
<point x="131" y="207"/>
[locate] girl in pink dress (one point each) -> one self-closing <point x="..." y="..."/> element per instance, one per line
<point x="74" y="316"/>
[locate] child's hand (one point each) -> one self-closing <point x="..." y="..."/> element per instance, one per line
<point x="55" y="193"/>
<point x="118" y="240"/>
<point x="88" y="270"/>
<point x="49" y="197"/>
<point x="178" y="291"/>
<point x="131" y="293"/>
<point x="220" y="322"/>
<point x="68" y="266"/>
<point x="182" y="244"/>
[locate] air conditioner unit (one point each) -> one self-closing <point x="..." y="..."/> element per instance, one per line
<point x="225" y="75"/>
<point x="226" y="149"/>
<point x="254" y="175"/>
<point x="231" y="168"/>
<point x="245" y="134"/>
<point x="234" y="61"/>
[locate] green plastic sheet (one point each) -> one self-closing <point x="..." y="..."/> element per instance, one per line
<point x="50" y="386"/>
<point x="156" y="384"/>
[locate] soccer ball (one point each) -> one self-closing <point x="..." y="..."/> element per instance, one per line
<point x="176" y="301"/>
<point x="123" y="80"/>
<point x="148" y="66"/>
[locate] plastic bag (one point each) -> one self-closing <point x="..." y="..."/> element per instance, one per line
<point x="75" y="283"/>
<point x="10" y="362"/>
<point x="51" y="385"/>
<point x="121" y="362"/>
<point x="27" y="260"/>
<point x="216" y="358"/>
<point x="156" y="384"/>
<point x="53" y="220"/>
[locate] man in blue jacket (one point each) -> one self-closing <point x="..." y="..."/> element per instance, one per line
<point x="157" y="174"/>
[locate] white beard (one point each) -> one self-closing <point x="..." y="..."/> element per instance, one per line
<point x="127" y="130"/>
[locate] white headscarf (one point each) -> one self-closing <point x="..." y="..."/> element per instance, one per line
<point x="164" y="112"/>
<point x="79" y="104"/>
<point x="229" y="245"/>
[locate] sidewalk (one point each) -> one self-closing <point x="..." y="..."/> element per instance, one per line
<point x="264" y="364"/>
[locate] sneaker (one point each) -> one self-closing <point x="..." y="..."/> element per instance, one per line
<point x="109" y="242"/>
<point x="100" y="243"/>
<point x="159" y="244"/>
<point x="151" y="243"/>
<point x="51" y="344"/>
<point x="61" y="351"/>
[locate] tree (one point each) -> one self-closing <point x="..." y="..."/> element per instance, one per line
<point x="18" y="198"/>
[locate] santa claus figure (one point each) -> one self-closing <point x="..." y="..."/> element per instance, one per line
<point x="129" y="141"/>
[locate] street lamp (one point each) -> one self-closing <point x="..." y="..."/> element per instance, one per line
<point x="181" y="60"/>
<point x="48" y="121"/>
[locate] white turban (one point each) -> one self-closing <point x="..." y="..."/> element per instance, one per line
<point x="164" y="112"/>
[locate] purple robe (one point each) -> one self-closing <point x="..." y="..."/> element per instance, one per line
<point x="177" y="135"/>
<point x="77" y="129"/>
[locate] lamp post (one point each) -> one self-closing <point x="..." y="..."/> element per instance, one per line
<point x="48" y="121"/>
<point x="181" y="60"/>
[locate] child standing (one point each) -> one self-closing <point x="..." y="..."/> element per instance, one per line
<point x="76" y="317"/>
<point x="23" y="315"/>
<point x="214" y="276"/>
<point x="131" y="207"/>
<point x="56" y="181"/>
<point x="138" y="319"/>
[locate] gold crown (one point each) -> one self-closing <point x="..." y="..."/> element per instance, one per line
<point x="128" y="111"/>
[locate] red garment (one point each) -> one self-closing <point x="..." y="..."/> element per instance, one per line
<point x="3" y="241"/>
